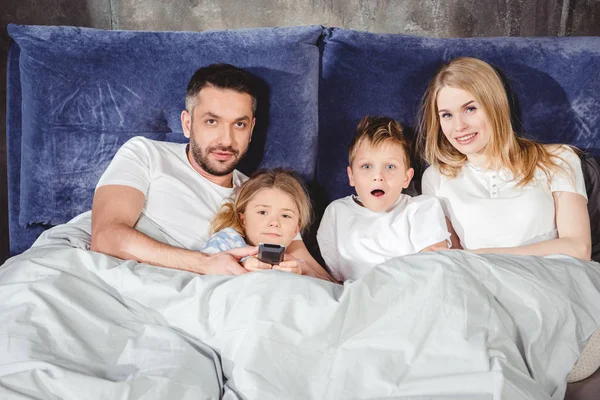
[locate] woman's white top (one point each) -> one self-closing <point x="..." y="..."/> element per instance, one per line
<point x="488" y="210"/>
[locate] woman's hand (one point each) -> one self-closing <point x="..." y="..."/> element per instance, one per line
<point x="254" y="264"/>
<point x="290" y="264"/>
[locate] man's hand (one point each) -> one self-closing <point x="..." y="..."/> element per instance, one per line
<point x="225" y="263"/>
<point x="290" y="264"/>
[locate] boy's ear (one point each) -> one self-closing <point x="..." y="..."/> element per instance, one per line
<point x="408" y="177"/>
<point x="350" y="176"/>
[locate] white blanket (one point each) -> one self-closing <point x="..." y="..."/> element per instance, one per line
<point x="75" y="324"/>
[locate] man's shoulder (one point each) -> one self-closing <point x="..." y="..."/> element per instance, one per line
<point x="238" y="178"/>
<point x="144" y="142"/>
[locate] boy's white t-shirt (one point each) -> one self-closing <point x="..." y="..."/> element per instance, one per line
<point x="353" y="239"/>
<point x="488" y="210"/>
<point x="179" y="200"/>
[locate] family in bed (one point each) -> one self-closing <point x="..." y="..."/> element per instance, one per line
<point x="487" y="190"/>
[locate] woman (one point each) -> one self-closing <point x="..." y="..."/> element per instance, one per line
<point x="501" y="193"/>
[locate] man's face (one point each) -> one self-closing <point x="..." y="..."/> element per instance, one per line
<point x="379" y="174"/>
<point x="219" y="130"/>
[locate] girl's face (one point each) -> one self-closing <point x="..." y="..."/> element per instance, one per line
<point x="271" y="216"/>
<point x="463" y="121"/>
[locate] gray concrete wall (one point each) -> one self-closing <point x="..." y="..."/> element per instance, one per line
<point x="441" y="18"/>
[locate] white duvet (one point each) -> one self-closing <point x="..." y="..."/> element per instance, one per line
<point x="75" y="324"/>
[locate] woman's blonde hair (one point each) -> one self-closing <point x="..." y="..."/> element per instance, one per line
<point x="277" y="178"/>
<point x="505" y="148"/>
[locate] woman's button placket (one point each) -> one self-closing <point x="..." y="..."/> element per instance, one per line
<point x="494" y="185"/>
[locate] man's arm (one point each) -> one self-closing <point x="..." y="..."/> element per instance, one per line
<point x="115" y="211"/>
<point x="310" y="266"/>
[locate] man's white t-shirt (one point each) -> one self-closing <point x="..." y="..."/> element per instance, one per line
<point x="488" y="210"/>
<point x="179" y="201"/>
<point x="353" y="239"/>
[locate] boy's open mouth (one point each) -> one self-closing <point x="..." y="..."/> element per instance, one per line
<point x="377" y="192"/>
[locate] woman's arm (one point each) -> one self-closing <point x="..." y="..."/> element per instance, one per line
<point x="573" y="225"/>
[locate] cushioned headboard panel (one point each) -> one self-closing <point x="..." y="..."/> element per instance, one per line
<point x="555" y="82"/>
<point x="76" y="94"/>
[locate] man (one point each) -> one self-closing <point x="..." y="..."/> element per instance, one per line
<point x="179" y="188"/>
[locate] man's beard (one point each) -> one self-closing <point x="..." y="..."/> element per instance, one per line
<point x="215" y="168"/>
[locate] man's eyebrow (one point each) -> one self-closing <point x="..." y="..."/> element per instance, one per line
<point x="210" y="114"/>
<point x="463" y="106"/>
<point x="215" y="116"/>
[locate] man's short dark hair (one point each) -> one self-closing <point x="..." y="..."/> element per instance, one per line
<point x="220" y="76"/>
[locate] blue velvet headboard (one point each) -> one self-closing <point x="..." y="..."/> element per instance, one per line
<point x="554" y="83"/>
<point x="75" y="95"/>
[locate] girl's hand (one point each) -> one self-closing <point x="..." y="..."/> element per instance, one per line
<point x="290" y="264"/>
<point x="254" y="264"/>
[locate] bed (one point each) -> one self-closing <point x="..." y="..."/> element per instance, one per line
<point x="76" y="323"/>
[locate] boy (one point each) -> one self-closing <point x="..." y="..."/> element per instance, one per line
<point x="360" y="232"/>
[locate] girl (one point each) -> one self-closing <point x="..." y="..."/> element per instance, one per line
<point x="271" y="207"/>
<point x="501" y="193"/>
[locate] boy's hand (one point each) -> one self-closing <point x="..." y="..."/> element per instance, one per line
<point x="290" y="264"/>
<point x="254" y="264"/>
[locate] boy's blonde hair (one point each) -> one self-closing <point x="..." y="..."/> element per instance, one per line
<point x="505" y="148"/>
<point x="277" y="178"/>
<point x="378" y="131"/>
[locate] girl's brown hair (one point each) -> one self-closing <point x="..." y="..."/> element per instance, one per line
<point x="277" y="178"/>
<point x="505" y="148"/>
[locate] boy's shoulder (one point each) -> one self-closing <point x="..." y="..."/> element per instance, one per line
<point x="423" y="201"/>
<point x="341" y="203"/>
<point x="422" y="198"/>
<point x="340" y="209"/>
